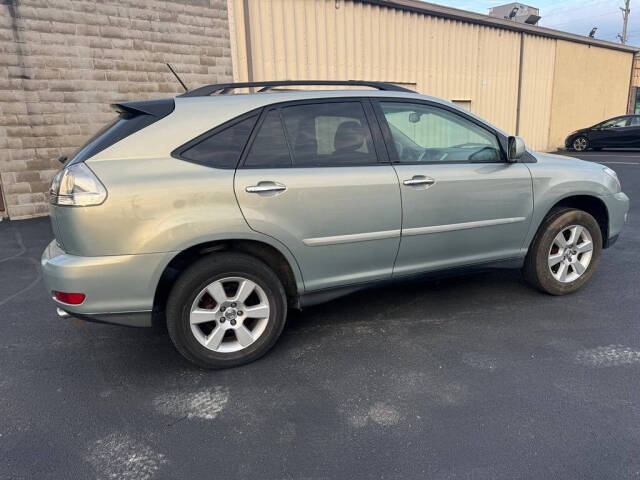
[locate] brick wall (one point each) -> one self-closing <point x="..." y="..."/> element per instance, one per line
<point x="63" y="62"/>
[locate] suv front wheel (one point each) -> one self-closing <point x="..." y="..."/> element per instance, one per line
<point x="564" y="253"/>
<point x="226" y="309"/>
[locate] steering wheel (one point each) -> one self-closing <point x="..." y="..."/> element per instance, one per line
<point x="430" y="155"/>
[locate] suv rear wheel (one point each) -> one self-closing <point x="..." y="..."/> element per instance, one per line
<point x="225" y="310"/>
<point x="564" y="253"/>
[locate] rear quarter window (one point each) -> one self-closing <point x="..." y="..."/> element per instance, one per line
<point x="223" y="148"/>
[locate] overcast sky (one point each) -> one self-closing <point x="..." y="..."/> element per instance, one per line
<point x="575" y="16"/>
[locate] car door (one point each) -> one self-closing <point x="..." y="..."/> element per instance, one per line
<point x="610" y="133"/>
<point x="462" y="203"/>
<point x="632" y="132"/>
<point x="316" y="177"/>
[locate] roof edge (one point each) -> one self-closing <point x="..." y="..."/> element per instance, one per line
<point x="480" y="19"/>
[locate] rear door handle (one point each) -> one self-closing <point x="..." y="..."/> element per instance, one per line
<point x="418" y="180"/>
<point x="266" y="187"/>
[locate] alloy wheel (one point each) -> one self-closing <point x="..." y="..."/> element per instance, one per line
<point x="229" y="314"/>
<point x="570" y="253"/>
<point x="580" y="144"/>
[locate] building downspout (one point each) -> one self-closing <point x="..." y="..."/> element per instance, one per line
<point x="519" y="83"/>
<point x="631" y="103"/>
<point x="247" y="41"/>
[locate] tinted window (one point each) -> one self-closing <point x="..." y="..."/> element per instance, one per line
<point x="329" y="134"/>
<point x="422" y="133"/>
<point x="269" y="149"/>
<point x="615" y="122"/>
<point x="223" y="149"/>
<point x="634" y="122"/>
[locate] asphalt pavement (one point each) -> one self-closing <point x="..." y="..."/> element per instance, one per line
<point x="474" y="377"/>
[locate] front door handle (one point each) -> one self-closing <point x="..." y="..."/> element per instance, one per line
<point x="418" y="180"/>
<point x="266" y="187"/>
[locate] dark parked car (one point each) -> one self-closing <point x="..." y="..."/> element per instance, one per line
<point x="618" y="132"/>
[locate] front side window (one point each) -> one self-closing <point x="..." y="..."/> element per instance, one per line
<point x="615" y="123"/>
<point x="222" y="149"/>
<point x="422" y="133"/>
<point x="329" y="134"/>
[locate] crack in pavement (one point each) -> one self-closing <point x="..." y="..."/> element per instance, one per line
<point x="19" y="257"/>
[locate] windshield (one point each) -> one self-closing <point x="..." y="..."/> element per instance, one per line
<point x="133" y="116"/>
<point x="82" y="153"/>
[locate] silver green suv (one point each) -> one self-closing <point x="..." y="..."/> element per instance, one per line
<point x="217" y="212"/>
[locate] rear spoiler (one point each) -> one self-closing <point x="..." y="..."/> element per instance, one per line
<point x="155" y="108"/>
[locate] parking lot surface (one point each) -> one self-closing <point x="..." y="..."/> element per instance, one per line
<point x="465" y="378"/>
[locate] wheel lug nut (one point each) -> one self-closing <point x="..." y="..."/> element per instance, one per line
<point x="223" y="308"/>
<point x="222" y="319"/>
<point x="239" y="312"/>
<point x="233" y="322"/>
<point x="233" y="305"/>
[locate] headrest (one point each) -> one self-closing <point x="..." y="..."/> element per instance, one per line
<point x="349" y="137"/>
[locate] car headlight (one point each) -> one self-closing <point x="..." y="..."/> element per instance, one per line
<point x="613" y="175"/>
<point x="76" y="185"/>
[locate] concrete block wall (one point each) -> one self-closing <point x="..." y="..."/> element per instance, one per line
<point x="63" y="62"/>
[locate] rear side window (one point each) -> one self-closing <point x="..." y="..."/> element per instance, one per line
<point x="222" y="149"/>
<point x="269" y="149"/>
<point x="329" y="134"/>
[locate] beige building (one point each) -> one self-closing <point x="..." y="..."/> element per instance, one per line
<point x="63" y="62"/>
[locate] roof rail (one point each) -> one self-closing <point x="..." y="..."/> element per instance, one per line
<point x="223" y="88"/>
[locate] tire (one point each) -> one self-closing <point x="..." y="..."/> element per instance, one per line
<point x="545" y="250"/>
<point x="580" y="144"/>
<point x="208" y="275"/>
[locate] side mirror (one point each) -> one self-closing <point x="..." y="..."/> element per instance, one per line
<point x="414" y="117"/>
<point x="515" y="148"/>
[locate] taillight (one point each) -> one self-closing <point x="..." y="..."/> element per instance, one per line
<point x="76" y="185"/>
<point x="69" y="298"/>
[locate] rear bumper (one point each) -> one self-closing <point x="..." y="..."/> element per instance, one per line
<point x="119" y="289"/>
<point x="130" y="319"/>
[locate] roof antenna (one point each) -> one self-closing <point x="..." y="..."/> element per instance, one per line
<point x="181" y="82"/>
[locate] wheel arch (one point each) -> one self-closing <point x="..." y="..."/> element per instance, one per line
<point x="591" y="204"/>
<point x="584" y="135"/>
<point x="283" y="264"/>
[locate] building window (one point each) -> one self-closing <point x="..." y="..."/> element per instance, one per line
<point x="466" y="104"/>
<point x="637" y="109"/>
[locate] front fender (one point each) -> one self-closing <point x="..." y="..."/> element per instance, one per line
<point x="556" y="178"/>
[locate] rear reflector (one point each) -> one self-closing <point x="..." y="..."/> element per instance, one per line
<point x="69" y="298"/>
